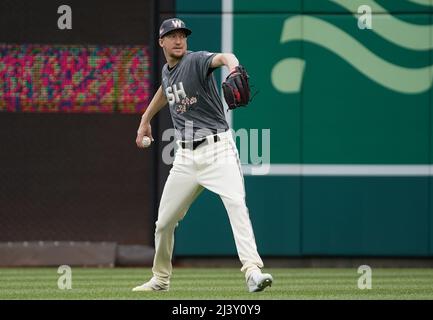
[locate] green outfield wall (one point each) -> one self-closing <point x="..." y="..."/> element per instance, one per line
<point x="350" y="116"/>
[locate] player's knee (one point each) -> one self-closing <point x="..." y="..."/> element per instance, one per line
<point x="164" y="226"/>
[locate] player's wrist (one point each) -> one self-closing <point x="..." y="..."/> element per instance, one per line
<point x="142" y="129"/>
<point x="145" y="119"/>
<point x="232" y="69"/>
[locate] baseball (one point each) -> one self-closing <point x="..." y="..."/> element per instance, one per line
<point x="146" y="141"/>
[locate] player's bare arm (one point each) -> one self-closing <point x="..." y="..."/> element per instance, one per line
<point x="158" y="102"/>
<point x="225" y="59"/>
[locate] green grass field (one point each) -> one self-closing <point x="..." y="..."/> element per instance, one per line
<point x="220" y="284"/>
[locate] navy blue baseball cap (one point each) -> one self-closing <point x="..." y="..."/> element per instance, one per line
<point x="171" y="25"/>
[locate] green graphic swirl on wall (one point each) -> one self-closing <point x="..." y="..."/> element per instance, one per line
<point x="422" y="2"/>
<point x="287" y="74"/>
<point x="401" y="33"/>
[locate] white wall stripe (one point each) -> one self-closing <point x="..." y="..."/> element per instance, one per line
<point x="337" y="170"/>
<point x="226" y="45"/>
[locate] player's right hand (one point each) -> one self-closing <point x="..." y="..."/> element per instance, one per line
<point x="143" y="130"/>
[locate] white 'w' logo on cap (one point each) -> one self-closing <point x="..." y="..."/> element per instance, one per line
<point x="177" y="23"/>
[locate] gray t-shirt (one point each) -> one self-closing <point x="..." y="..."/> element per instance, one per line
<point x="195" y="106"/>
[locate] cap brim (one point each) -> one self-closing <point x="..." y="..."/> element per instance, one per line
<point x="187" y="31"/>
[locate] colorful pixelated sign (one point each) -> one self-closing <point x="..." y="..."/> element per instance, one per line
<point x="74" y="78"/>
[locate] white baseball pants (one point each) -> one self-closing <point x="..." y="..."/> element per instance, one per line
<point x="216" y="167"/>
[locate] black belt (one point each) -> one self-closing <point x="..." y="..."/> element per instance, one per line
<point x="196" y="143"/>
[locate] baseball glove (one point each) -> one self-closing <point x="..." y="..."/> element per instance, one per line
<point x="236" y="88"/>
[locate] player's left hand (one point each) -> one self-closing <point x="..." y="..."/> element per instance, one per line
<point x="236" y="88"/>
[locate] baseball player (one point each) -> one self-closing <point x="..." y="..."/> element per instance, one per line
<point x="206" y="156"/>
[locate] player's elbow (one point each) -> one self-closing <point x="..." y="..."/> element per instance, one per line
<point x="223" y="59"/>
<point x="228" y="57"/>
<point x="231" y="60"/>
